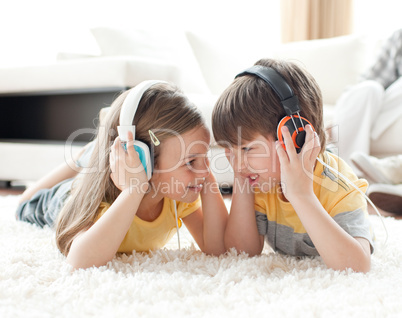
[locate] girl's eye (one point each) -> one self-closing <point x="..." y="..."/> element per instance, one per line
<point x="190" y="163"/>
<point x="245" y="149"/>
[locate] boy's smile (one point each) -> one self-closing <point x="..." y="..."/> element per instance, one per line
<point x="256" y="162"/>
<point x="253" y="179"/>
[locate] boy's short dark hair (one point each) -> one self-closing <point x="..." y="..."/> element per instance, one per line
<point x="249" y="106"/>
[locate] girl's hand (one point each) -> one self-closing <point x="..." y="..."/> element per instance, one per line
<point x="230" y="156"/>
<point x="297" y="169"/>
<point x="127" y="170"/>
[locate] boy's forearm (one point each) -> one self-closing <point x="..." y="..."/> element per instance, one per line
<point x="241" y="230"/>
<point x="337" y="248"/>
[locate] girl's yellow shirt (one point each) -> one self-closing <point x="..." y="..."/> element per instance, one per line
<point x="145" y="236"/>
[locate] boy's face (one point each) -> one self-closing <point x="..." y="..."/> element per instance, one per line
<point x="256" y="162"/>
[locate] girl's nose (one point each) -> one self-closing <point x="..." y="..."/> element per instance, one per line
<point x="204" y="172"/>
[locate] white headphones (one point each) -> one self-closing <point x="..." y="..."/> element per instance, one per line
<point x="145" y="152"/>
<point x="127" y="114"/>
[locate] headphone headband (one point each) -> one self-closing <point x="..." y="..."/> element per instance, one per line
<point x="130" y="106"/>
<point x="289" y="100"/>
<point x="132" y="100"/>
<point x="127" y="113"/>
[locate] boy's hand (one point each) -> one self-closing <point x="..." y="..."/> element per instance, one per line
<point x="297" y="169"/>
<point x="126" y="167"/>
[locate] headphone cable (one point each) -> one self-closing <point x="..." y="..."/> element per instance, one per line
<point x="361" y="192"/>
<point x="177" y="223"/>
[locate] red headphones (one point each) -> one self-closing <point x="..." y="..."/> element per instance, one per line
<point x="296" y="126"/>
<point x="289" y="101"/>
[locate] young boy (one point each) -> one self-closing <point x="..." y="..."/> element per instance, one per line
<point x="300" y="206"/>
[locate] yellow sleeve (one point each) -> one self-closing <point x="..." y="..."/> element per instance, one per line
<point x="184" y="209"/>
<point x="103" y="207"/>
<point x="348" y="201"/>
<point x="336" y="194"/>
<point x="260" y="203"/>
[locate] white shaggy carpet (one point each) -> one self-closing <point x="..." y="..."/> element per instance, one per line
<point x="36" y="282"/>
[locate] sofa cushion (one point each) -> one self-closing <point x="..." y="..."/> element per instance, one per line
<point x="335" y="63"/>
<point x="166" y="45"/>
<point x="388" y="143"/>
<point x="87" y="73"/>
<point x="222" y="55"/>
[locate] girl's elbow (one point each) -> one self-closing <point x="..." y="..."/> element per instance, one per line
<point x="74" y="263"/>
<point x="77" y="262"/>
<point x="82" y="265"/>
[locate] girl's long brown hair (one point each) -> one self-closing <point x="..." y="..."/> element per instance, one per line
<point x="163" y="109"/>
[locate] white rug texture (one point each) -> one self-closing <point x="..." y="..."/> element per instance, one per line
<point x="35" y="281"/>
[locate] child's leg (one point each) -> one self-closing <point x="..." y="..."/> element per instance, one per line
<point x="66" y="170"/>
<point x="60" y="173"/>
<point x="41" y="203"/>
<point x="44" y="206"/>
<point x="391" y="109"/>
<point x="361" y="104"/>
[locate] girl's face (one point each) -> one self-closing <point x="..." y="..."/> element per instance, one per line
<point x="257" y="163"/>
<point x="182" y="165"/>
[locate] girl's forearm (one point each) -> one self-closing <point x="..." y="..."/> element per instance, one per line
<point x="241" y="230"/>
<point x="215" y="217"/>
<point x="99" y="244"/>
<point x="337" y="248"/>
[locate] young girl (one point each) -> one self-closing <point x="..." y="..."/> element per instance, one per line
<point x="110" y="206"/>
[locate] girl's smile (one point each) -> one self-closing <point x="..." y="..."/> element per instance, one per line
<point x="197" y="187"/>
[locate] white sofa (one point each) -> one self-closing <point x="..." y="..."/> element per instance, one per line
<point x="202" y="66"/>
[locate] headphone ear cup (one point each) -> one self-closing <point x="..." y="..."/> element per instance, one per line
<point x="145" y="154"/>
<point x="299" y="140"/>
<point x="298" y="136"/>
